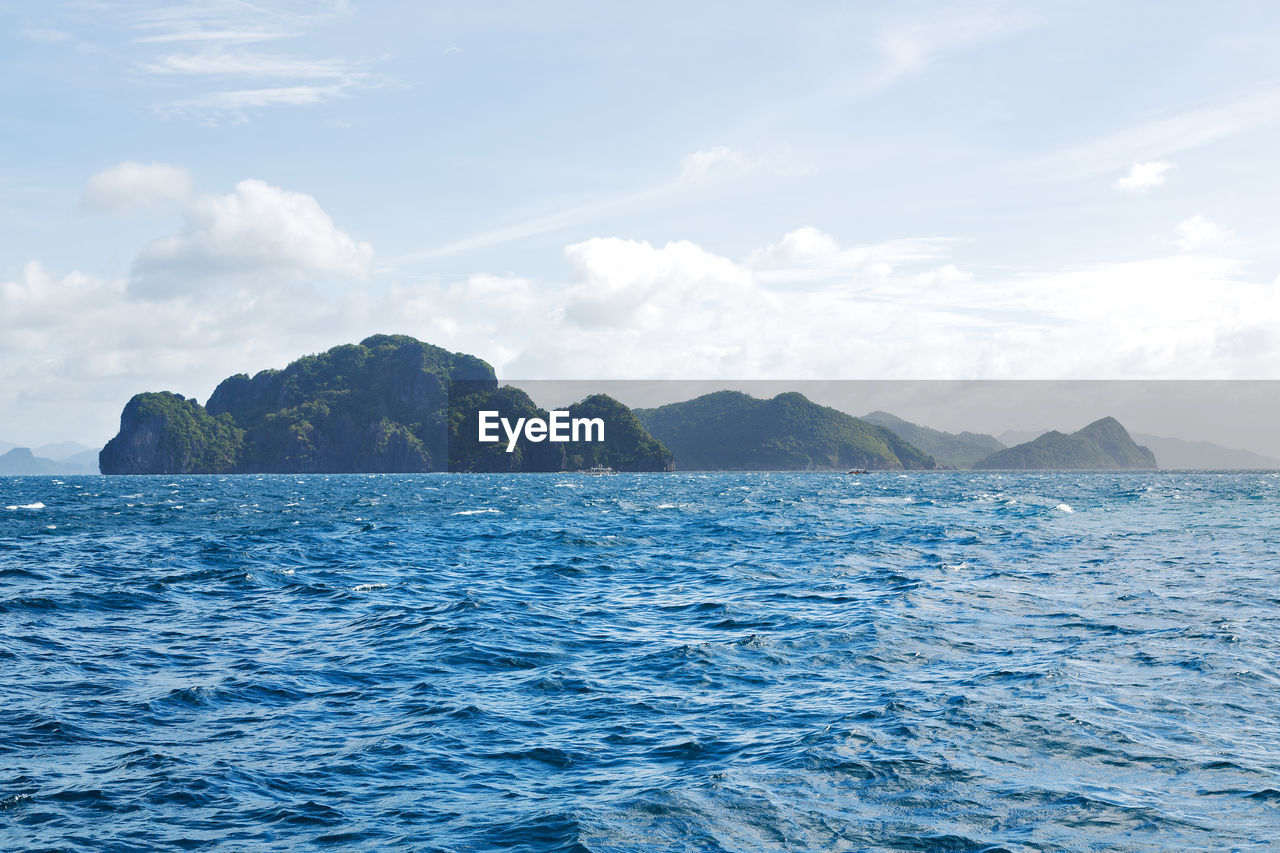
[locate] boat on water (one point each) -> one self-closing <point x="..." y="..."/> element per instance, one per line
<point x="599" y="470"/>
<point x="859" y="471"/>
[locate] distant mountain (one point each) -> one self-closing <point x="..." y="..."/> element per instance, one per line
<point x="1010" y="437"/>
<point x="21" y="461"/>
<point x="85" y="459"/>
<point x="732" y="431"/>
<point x="1203" y="455"/>
<point x="1102" y="444"/>
<point x="388" y="404"/>
<point x="63" y="450"/>
<point x="6" y="446"/>
<point x="954" y="450"/>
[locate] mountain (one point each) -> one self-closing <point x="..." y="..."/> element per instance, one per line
<point x="1010" y="437"/>
<point x="63" y="450"/>
<point x="954" y="450"/>
<point x="21" y="461"/>
<point x="732" y="431"/>
<point x="1203" y="455"/>
<point x="388" y="404"/>
<point x="627" y="446"/>
<point x="6" y="446"/>
<point x="1102" y="444"/>
<point x="87" y="459"/>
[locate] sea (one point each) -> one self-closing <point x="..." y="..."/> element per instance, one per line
<point x="955" y="661"/>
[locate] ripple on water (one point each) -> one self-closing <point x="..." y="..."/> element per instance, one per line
<point x="946" y="661"/>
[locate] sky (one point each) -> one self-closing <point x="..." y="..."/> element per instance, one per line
<point x="722" y="190"/>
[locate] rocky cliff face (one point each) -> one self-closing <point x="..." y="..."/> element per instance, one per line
<point x="377" y="406"/>
<point x="164" y="433"/>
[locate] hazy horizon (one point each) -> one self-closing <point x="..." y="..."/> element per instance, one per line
<point x="1231" y="414"/>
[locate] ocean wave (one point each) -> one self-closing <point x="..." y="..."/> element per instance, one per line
<point x="695" y="662"/>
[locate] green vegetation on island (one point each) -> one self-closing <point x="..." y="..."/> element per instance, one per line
<point x="954" y="450"/>
<point x="165" y="433"/>
<point x="732" y="431"/>
<point x="388" y="404"/>
<point x="1103" y="444"/>
<point x="630" y="447"/>
<point x="394" y="404"/>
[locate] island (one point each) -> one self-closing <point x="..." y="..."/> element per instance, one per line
<point x="732" y="431"/>
<point x="950" y="449"/>
<point x="1103" y="444"/>
<point x="390" y="404"/>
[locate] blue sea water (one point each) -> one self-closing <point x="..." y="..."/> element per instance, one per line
<point x="934" y="661"/>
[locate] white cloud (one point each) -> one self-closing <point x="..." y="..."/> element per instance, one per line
<point x="634" y="310"/>
<point x="234" y="105"/>
<point x="703" y="163"/>
<point x="808" y="256"/>
<point x="627" y="309"/>
<point x="133" y="186"/>
<point x="257" y="230"/>
<point x="1198" y="234"/>
<point x="247" y="64"/>
<point x="1144" y="176"/>
<point x="1164" y="136"/>
<point x="220" y="38"/>
<point x="630" y="284"/>
<point x="909" y="46"/>
<point x="799" y="247"/>
<point x="230" y="20"/>
<point x="75" y="347"/>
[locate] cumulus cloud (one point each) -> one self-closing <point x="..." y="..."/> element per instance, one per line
<point x="630" y="283"/>
<point x="75" y="347"/>
<point x="1198" y="234"/>
<point x="635" y="310"/>
<point x="632" y="309"/>
<point x="254" y="231"/>
<point x="1144" y="176"/>
<point x="137" y="186"/>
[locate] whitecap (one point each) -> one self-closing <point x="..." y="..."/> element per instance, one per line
<point x="1064" y="508"/>
<point x="475" y="512"/>
<point x="36" y="505"/>
<point x="368" y="587"/>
